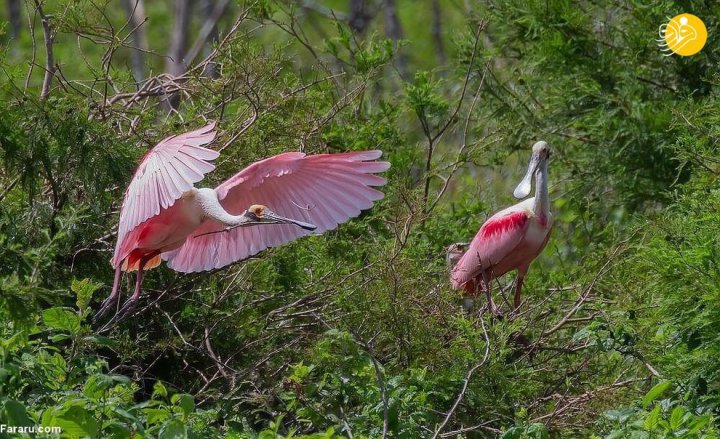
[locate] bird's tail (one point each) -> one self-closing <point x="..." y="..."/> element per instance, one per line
<point x="132" y="262"/>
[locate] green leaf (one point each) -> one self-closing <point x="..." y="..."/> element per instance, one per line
<point x="16" y="414"/>
<point x="63" y="319"/>
<point x="15" y="340"/>
<point x="159" y="390"/>
<point x="155" y="416"/>
<point x="97" y="385"/>
<point x="75" y="421"/>
<point x="173" y="429"/>
<point x="619" y="415"/>
<point x="537" y="431"/>
<point x="185" y="401"/>
<point x="101" y="340"/>
<point x="656" y="392"/>
<point x="699" y="423"/>
<point x="651" y="421"/>
<point x="676" y="417"/>
<point x="120" y="431"/>
<point x="84" y="290"/>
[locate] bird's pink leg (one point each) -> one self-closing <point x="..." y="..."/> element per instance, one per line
<point x="110" y="301"/>
<point x="138" y="281"/>
<point x="133" y="300"/>
<point x="518" y="287"/>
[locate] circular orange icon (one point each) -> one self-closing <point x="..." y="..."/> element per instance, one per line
<point x="684" y="34"/>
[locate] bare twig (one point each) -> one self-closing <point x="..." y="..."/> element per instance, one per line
<point x="482" y="426"/>
<point x="206" y="31"/>
<point x="573" y="402"/>
<point x="50" y="58"/>
<point x="433" y="139"/>
<point x="459" y="161"/>
<point x="31" y="25"/>
<point x="7" y="190"/>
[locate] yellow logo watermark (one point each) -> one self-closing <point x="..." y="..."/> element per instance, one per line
<point x="684" y="35"/>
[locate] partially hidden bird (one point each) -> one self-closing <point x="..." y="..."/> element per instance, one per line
<point x="267" y="204"/>
<point x="510" y="239"/>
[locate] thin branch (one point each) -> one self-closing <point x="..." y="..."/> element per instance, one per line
<point x="483" y="426"/>
<point x="31" y="25"/>
<point x="206" y="31"/>
<point x="323" y="10"/>
<point x="463" y="148"/>
<point x="7" y="190"/>
<point x="50" y="58"/>
<point x="433" y="139"/>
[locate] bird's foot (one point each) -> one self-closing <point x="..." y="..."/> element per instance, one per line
<point x="107" y="305"/>
<point x="128" y="308"/>
<point x="123" y="313"/>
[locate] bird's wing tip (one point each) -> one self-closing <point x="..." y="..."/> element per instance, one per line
<point x="210" y="126"/>
<point x="375" y="154"/>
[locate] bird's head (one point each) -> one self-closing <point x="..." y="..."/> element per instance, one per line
<point x="454" y="252"/>
<point x="540" y="155"/>
<point x="260" y="214"/>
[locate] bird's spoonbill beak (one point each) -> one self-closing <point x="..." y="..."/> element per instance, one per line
<point x="523" y="189"/>
<point x="270" y="217"/>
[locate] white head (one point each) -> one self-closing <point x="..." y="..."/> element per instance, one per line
<point x="540" y="156"/>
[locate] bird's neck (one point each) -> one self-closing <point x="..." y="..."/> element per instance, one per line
<point x="541" y="206"/>
<point x="211" y="208"/>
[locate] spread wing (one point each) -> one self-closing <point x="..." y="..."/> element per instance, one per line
<point x="325" y="190"/>
<point x="496" y="239"/>
<point x="165" y="173"/>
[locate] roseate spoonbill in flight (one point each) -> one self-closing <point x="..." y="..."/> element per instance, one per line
<point x="164" y="216"/>
<point x="512" y="238"/>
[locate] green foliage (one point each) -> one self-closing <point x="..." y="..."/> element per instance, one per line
<point x="345" y="386"/>
<point x="660" y="419"/>
<point x="48" y="382"/>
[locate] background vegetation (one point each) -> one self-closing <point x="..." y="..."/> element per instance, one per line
<point x="356" y="333"/>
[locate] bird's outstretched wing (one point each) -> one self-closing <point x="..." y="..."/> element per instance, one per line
<point x="165" y="173"/>
<point x="325" y="190"/>
<point x="496" y="239"/>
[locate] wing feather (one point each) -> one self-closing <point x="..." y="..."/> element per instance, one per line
<point x="325" y="190"/>
<point x="170" y="169"/>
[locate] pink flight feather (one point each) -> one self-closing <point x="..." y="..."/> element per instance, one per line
<point x="325" y="190"/>
<point x="165" y="173"/>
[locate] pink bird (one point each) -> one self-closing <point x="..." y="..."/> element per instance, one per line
<point x="512" y="238"/>
<point x="164" y="216"/>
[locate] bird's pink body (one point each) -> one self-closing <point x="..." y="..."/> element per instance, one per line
<point x="269" y="203"/>
<point x="509" y="240"/>
<point x="163" y="232"/>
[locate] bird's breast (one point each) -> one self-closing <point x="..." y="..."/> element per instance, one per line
<point x="537" y="231"/>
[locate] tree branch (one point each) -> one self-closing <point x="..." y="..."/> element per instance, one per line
<point x="50" y="58"/>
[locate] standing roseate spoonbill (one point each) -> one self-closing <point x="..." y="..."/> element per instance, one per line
<point x="512" y="238"/>
<point x="269" y="203"/>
